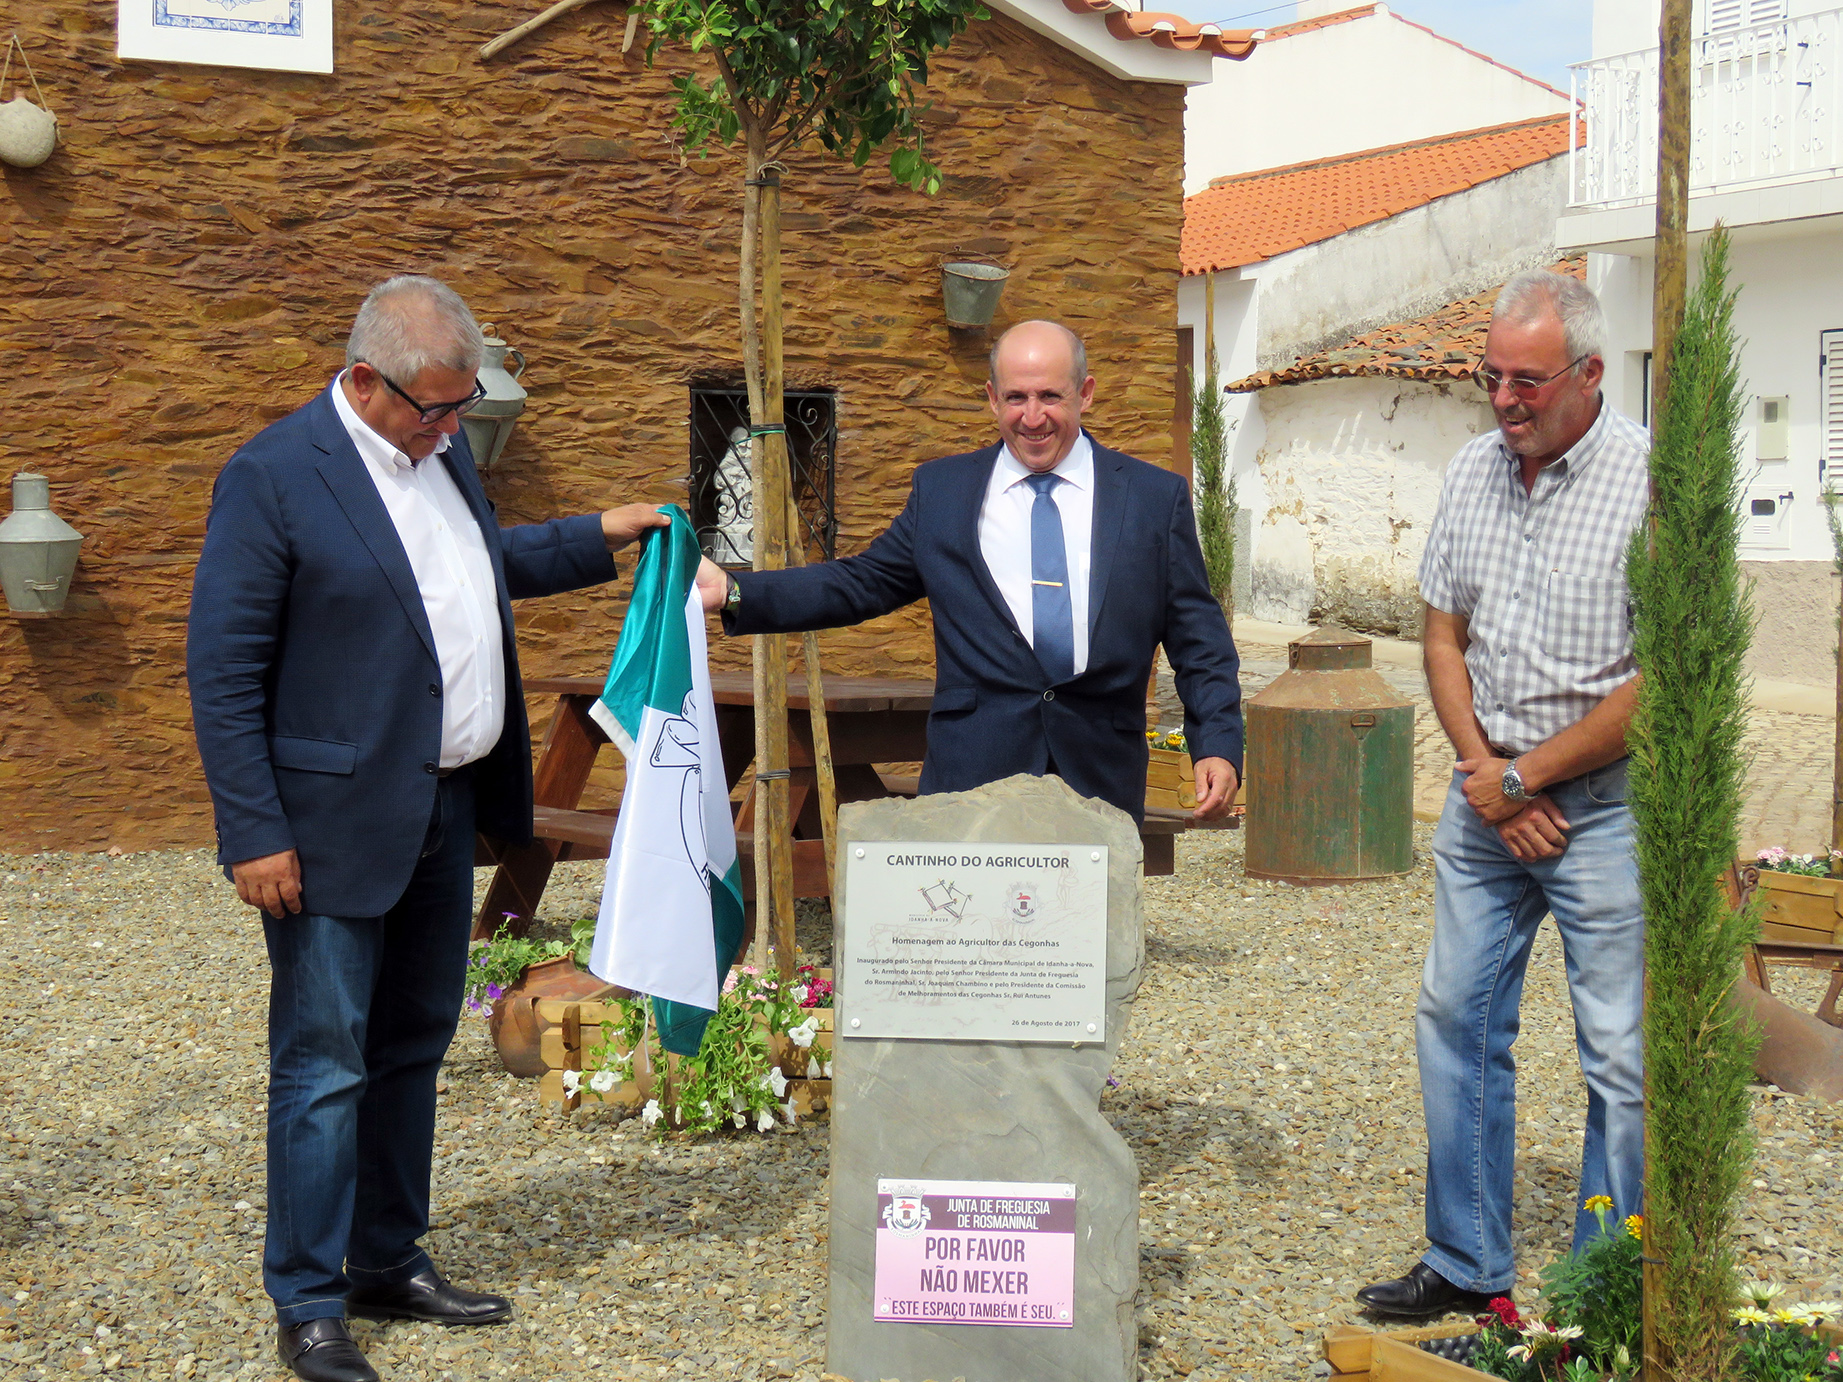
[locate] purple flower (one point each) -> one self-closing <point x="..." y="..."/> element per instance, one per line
<point x="494" y="993"/>
<point x="1112" y="1083"/>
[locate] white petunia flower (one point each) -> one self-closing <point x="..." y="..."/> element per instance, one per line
<point x="741" y="1120"/>
<point x="828" y="1070"/>
<point x="572" y="1081"/>
<point x="802" y="1036"/>
<point x="738" y="1104"/>
<point x="777" y="1082"/>
<point x="791" y="1113"/>
<point x="798" y="993"/>
<point x="652" y="1113"/>
<point x="812" y="1067"/>
<point x="764" y="1122"/>
<point x="602" y="1081"/>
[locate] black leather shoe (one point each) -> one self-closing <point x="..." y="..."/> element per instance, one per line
<point x="322" y="1351"/>
<point x="427" y="1296"/>
<point x="1424" y="1292"/>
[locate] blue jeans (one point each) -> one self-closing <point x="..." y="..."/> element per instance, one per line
<point x="1487" y="908"/>
<point x="361" y="1012"/>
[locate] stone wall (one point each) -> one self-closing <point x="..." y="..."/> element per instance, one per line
<point x="184" y="268"/>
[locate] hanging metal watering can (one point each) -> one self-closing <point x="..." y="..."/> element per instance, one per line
<point x="38" y="550"/>
<point x="489" y="422"/>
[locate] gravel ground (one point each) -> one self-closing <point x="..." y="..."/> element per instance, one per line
<point x="1268" y="1087"/>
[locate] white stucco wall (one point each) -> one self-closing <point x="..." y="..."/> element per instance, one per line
<point x="1357" y="85"/>
<point x="1627" y="26"/>
<point x="1350" y="472"/>
<point x="1790" y="281"/>
<point x="1407" y="265"/>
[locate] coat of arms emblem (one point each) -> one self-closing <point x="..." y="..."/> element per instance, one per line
<point x="906" y="1215"/>
<point x="1021" y="902"/>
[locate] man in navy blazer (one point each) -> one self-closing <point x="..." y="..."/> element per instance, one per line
<point x="356" y="698"/>
<point x="1054" y="568"/>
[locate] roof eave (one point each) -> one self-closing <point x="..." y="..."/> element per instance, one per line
<point x="1141" y="59"/>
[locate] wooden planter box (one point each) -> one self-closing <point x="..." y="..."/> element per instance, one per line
<point x="573" y="1029"/>
<point x="1798" y="910"/>
<point x="1356" y="1353"/>
<point x="1170" y="780"/>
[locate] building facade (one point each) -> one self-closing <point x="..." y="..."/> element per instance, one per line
<point x="185" y="267"/>
<point x="1766" y="161"/>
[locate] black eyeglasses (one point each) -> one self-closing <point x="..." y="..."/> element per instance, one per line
<point x="1521" y="385"/>
<point x="435" y="412"/>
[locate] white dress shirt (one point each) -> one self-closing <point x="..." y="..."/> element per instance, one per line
<point x="447" y="552"/>
<point x="1004" y="535"/>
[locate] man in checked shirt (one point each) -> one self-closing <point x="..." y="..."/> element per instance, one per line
<point x="1528" y="653"/>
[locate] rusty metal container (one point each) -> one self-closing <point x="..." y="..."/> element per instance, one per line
<point x="1330" y="766"/>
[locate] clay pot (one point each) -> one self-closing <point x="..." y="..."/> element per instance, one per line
<point x="518" y="1031"/>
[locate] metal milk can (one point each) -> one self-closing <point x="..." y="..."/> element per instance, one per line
<point x="1330" y="768"/>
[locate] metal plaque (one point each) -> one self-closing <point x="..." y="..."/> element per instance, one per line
<point x="987" y="942"/>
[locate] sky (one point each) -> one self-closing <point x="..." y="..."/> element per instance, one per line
<point x="1538" y="37"/>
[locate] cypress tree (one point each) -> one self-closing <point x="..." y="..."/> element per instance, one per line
<point x="1693" y="622"/>
<point x="1209" y="450"/>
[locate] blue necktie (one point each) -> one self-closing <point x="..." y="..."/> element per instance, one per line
<point x="1052" y="619"/>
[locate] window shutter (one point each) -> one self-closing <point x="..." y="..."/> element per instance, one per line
<point x="1830" y="407"/>
<point x="1724" y="15"/>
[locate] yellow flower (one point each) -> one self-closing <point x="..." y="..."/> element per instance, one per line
<point x="1635" y="1225"/>
<point x="1751" y="1314"/>
<point x="1599" y="1204"/>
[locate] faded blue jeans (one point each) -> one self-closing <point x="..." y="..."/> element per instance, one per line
<point x="1487" y="908"/>
<point x="361" y="1012"/>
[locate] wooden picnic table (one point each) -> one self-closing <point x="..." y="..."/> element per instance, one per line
<point x="873" y="720"/>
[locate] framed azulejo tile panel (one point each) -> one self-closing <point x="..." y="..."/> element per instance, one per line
<point x="278" y="35"/>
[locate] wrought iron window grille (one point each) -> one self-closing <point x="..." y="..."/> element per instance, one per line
<point x="721" y="491"/>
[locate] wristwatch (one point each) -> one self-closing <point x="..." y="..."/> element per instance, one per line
<point x="1514" y="790"/>
<point x="734" y="598"/>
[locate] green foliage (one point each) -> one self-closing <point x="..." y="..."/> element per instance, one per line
<point x="844" y="71"/>
<point x="733" y="1080"/>
<point x="1216" y="498"/>
<point x="496" y="965"/>
<point x="1693" y="624"/>
<point x="1782" y="1353"/>
<point x="1599" y="1290"/>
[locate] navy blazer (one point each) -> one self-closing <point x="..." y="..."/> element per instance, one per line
<point x="995" y="710"/>
<point x="316" y="692"/>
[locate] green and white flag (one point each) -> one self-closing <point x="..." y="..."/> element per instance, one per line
<point x="671" y="913"/>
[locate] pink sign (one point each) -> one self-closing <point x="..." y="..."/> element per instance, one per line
<point x="975" y="1252"/>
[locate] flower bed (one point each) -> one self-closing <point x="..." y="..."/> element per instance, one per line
<point x="765" y="1062"/>
<point x="1589" y="1329"/>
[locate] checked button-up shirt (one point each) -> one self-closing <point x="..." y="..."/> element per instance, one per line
<point x="1539" y="576"/>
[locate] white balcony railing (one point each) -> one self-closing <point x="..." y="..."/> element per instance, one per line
<point x="1766" y="106"/>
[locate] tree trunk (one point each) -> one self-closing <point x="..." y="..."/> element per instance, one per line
<point x="771" y="522"/>
<point x="1669" y="286"/>
<point x="1671" y="278"/>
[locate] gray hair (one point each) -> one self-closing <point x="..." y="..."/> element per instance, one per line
<point x="1077" y="351"/>
<point x="1535" y="291"/>
<point x="411" y="323"/>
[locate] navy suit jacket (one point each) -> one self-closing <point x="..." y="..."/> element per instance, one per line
<point x="316" y="693"/>
<point x="995" y="710"/>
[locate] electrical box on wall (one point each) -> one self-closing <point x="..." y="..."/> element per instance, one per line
<point x="1771" y="433"/>
<point x="1763" y="522"/>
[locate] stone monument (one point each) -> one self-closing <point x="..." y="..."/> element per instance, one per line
<point x="1016" y="1124"/>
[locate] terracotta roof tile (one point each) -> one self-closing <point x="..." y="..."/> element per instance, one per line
<point x="1249" y="217"/>
<point x="1169" y="30"/>
<point x="1441" y="346"/>
<point x="1325" y="21"/>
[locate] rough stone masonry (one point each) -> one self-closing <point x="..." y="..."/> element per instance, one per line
<point x="1003" y="1111"/>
